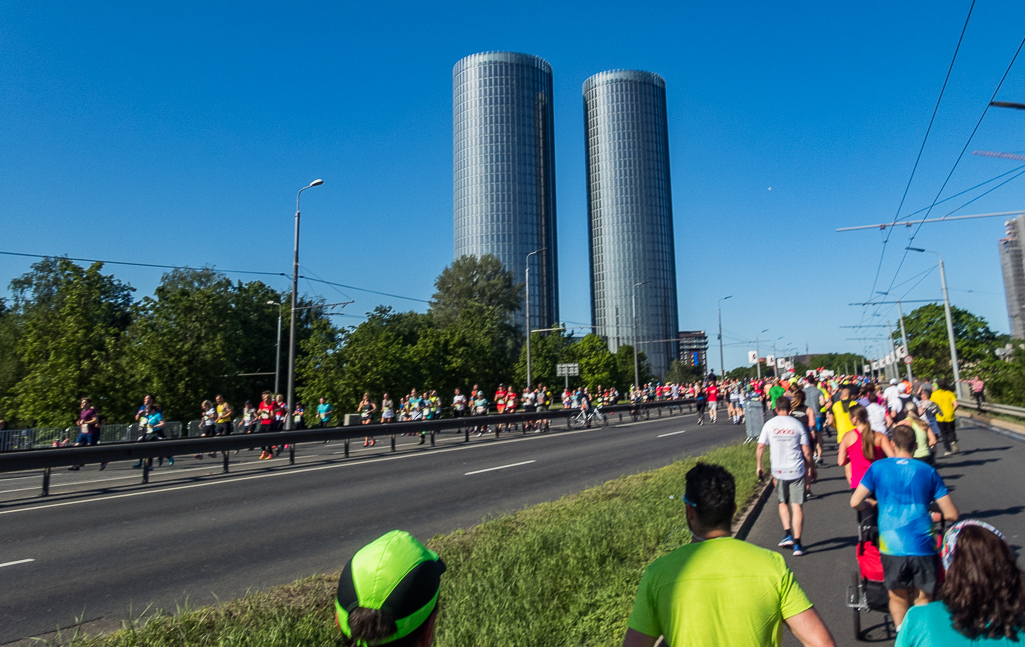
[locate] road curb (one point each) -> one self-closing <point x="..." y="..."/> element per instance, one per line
<point x="748" y="517"/>
<point x="1007" y="428"/>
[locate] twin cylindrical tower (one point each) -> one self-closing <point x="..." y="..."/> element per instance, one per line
<point x="504" y="192"/>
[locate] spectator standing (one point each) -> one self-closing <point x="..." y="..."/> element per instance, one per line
<point x="946" y="419"/>
<point x="978" y="391"/>
<point x="981" y="601"/>
<point x="366" y="417"/>
<point x="689" y="599"/>
<point x="791" y="462"/>
<point x="905" y="489"/>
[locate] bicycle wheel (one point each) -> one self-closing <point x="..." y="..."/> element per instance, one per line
<point x="578" y="420"/>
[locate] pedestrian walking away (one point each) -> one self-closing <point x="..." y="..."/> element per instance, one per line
<point x="688" y="598"/>
<point x="791" y="463"/>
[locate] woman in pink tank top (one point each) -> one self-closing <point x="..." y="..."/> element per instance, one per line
<point x="860" y="443"/>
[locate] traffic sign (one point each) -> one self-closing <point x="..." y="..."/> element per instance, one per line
<point x="907" y="359"/>
<point x="564" y="370"/>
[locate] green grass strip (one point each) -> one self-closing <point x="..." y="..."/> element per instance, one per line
<point x="558" y="573"/>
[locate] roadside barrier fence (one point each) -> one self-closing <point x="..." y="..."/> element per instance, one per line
<point x="123" y="447"/>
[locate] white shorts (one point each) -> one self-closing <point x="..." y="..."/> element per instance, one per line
<point x="712" y="405"/>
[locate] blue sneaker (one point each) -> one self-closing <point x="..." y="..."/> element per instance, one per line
<point x="170" y="461"/>
<point x="798" y="551"/>
<point x="788" y="540"/>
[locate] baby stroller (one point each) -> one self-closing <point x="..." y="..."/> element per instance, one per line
<point x="867" y="592"/>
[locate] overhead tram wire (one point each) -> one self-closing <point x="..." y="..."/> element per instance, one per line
<point x="961" y="155"/>
<point x="223" y="271"/>
<point x="921" y="149"/>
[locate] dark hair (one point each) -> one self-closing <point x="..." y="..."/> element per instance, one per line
<point x="370" y="626"/>
<point x="983" y="589"/>
<point x="943" y="384"/>
<point x="903" y="437"/>
<point x="713" y="493"/>
<point x="782" y="402"/>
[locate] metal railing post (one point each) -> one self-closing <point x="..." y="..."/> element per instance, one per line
<point x="145" y="470"/>
<point x="393" y="443"/>
<point x="432" y="438"/>
<point x="466" y="434"/>
<point x="225" y="454"/>
<point x="46" y="482"/>
<point x="291" y="453"/>
<point x="346" y="447"/>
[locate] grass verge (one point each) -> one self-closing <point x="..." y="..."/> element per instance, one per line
<point x="557" y="573"/>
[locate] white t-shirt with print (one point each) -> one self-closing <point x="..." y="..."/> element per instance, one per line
<point x="785" y="435"/>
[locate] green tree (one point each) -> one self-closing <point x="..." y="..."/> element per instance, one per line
<point x="472" y="280"/>
<point x="72" y="323"/>
<point x="928" y="343"/>
<point x="11" y="368"/>
<point x="597" y="365"/>
<point x="546" y="350"/>
<point x="480" y="346"/>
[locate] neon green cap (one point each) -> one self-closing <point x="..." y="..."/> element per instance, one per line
<point x="395" y="574"/>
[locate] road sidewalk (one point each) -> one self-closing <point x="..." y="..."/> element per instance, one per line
<point x="986" y="480"/>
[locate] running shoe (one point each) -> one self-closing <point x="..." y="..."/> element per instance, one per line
<point x="373" y="442"/>
<point x="366" y="443"/>
<point x="170" y="460"/>
<point x="798" y="551"/>
<point x="263" y="455"/>
<point x="788" y="540"/>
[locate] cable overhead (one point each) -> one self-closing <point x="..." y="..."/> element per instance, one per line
<point x="918" y="159"/>
<point x="961" y="155"/>
<point x="223" y="271"/>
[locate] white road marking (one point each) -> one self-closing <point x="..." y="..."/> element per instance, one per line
<point x="500" y="467"/>
<point x="671" y="433"/>
<point x="20" y="561"/>
<point x="292" y="472"/>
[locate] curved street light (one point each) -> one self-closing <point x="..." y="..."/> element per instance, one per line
<point x="295" y="302"/>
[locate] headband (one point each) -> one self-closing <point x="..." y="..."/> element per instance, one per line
<point x="950" y="539"/>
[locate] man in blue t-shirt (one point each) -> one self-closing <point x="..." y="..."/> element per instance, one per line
<point x="905" y="488"/>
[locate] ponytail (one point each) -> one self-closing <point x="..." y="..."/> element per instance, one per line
<point x="859" y="416"/>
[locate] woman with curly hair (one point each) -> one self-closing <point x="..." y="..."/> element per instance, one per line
<point x="982" y="599"/>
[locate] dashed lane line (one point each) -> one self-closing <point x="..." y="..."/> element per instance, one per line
<point x="20" y="561"/>
<point x="671" y="433"/>
<point x="500" y="467"/>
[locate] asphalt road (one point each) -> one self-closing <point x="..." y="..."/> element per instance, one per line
<point x="986" y="481"/>
<point x="104" y="548"/>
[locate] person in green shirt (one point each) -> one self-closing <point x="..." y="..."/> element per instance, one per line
<point x="719" y="590"/>
<point x="774" y="392"/>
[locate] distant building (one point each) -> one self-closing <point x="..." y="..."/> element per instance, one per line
<point x="693" y="347"/>
<point x="630" y="213"/>
<point x="1012" y="261"/>
<point x="503" y="162"/>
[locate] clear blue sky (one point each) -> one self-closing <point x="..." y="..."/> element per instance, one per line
<point x="180" y="133"/>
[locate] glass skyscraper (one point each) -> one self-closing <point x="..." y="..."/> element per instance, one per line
<point x="630" y="213"/>
<point x="504" y="169"/>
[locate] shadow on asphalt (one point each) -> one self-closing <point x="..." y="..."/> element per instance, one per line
<point x="833" y="543"/>
<point x="985" y="449"/>
<point x="987" y="514"/>
<point x="878" y="633"/>
<point x="973" y="463"/>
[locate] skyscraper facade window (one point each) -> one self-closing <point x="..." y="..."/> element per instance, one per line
<point x="630" y="213"/>
<point x="504" y="170"/>
<point x="1012" y="262"/>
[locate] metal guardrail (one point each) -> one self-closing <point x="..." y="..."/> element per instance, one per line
<point x="1005" y="409"/>
<point x="47" y="459"/>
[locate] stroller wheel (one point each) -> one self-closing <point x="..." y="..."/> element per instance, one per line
<point x="856" y="620"/>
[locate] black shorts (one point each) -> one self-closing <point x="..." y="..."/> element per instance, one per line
<point x="910" y="571"/>
<point x="223" y="429"/>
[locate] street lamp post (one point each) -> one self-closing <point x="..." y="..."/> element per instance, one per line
<point x="528" y="312"/>
<point x="722" y="371"/>
<point x="904" y="340"/>
<point x="758" y="354"/>
<point x="637" y="372"/>
<point x="295" y="303"/>
<point x="950" y="322"/>
<point x="277" y="354"/>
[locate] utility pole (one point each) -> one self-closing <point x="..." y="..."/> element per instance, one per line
<point x="904" y="340"/>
